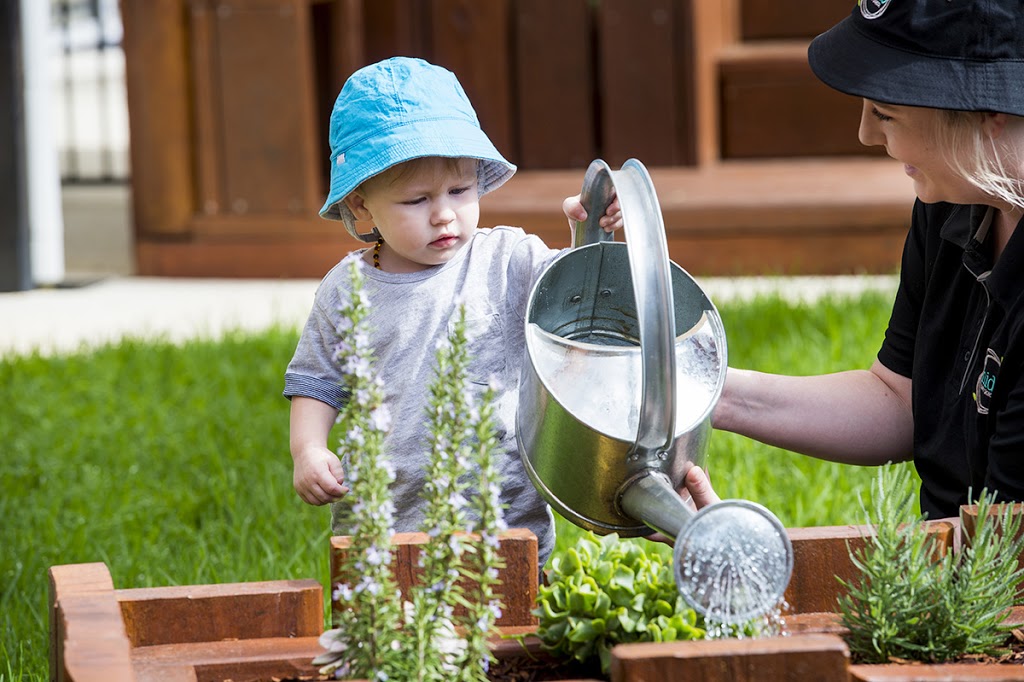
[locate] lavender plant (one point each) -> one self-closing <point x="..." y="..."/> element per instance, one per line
<point x="376" y="635"/>
<point x="912" y="601"/>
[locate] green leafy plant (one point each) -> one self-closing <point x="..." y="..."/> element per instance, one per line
<point x="422" y="640"/>
<point x="604" y="592"/>
<point x="915" y="602"/>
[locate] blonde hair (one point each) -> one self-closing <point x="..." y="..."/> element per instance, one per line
<point x="400" y="172"/>
<point x="993" y="165"/>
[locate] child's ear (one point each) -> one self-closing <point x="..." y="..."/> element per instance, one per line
<point x="357" y="205"/>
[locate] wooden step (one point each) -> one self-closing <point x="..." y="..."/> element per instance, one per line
<point x="768" y="20"/>
<point x="811" y="216"/>
<point x="801" y="216"/>
<point x="772" y="105"/>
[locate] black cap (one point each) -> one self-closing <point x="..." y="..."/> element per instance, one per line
<point x="945" y="54"/>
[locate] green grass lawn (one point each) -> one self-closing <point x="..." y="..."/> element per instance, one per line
<point x="170" y="463"/>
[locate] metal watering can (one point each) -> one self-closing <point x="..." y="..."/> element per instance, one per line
<point x="615" y="403"/>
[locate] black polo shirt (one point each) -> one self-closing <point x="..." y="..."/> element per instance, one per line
<point x="957" y="329"/>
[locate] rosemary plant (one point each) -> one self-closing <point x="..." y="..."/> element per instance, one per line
<point x="914" y="602"/>
<point x="482" y="562"/>
<point x="366" y="640"/>
<point x="377" y="636"/>
<point x="445" y="515"/>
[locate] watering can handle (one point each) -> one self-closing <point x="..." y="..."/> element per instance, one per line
<point x="651" y="271"/>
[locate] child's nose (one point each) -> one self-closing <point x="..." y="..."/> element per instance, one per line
<point x="443" y="214"/>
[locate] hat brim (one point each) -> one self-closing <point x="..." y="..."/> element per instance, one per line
<point x="847" y="60"/>
<point x="454" y="138"/>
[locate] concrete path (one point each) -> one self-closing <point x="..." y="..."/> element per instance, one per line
<point x="63" y="320"/>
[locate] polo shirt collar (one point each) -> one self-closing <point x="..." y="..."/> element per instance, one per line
<point x="1005" y="282"/>
<point x="959" y="231"/>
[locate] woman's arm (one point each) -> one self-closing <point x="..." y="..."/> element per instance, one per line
<point x="855" y="417"/>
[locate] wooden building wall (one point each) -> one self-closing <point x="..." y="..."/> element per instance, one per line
<point x="229" y="102"/>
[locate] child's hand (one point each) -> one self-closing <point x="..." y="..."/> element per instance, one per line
<point x="574" y="211"/>
<point x="318" y="476"/>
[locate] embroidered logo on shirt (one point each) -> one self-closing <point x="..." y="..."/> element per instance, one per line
<point x="987" y="381"/>
<point x="872" y="9"/>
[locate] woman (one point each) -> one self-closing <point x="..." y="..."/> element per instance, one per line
<point x="943" y="91"/>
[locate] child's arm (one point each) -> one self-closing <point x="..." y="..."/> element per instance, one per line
<point x="318" y="475"/>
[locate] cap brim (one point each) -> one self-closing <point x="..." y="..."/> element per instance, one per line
<point x="847" y="60"/>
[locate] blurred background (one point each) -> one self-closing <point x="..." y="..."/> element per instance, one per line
<point x="188" y="138"/>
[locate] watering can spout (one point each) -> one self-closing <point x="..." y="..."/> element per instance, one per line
<point x="650" y="498"/>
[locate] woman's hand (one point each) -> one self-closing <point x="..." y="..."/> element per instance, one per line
<point x="696" y="492"/>
<point x="698" y="485"/>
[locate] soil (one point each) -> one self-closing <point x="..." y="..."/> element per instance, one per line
<point x="1014" y="654"/>
<point x="518" y="668"/>
<point x="526" y="669"/>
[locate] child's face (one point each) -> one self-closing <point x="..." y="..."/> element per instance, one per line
<point x="912" y="135"/>
<point x="426" y="210"/>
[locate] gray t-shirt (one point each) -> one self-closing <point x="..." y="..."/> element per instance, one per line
<point x="408" y="314"/>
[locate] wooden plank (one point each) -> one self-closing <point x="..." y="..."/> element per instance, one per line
<point x="397" y="28"/>
<point x="939" y="672"/>
<point x="685" y="59"/>
<point x="236" y="611"/>
<point x="639" y="112"/>
<point x="87" y="635"/>
<point x="339" y="49"/>
<point x="264" y="68"/>
<point x="208" y="133"/>
<point x="714" y="25"/>
<point x="306" y="257"/>
<point x="159" y="105"/>
<point x="472" y="39"/>
<point x="269" y="658"/>
<point x="773" y="106"/>
<point x="821" y="554"/>
<point x="519" y="577"/>
<point x="767" y="20"/>
<point x="969" y="526"/>
<point x="824" y="658"/>
<point x="554" y="98"/>
<point x="346" y="42"/>
<point x="731" y="253"/>
<point x="805" y="216"/>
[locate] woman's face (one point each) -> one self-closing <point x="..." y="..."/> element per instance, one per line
<point x="911" y="135"/>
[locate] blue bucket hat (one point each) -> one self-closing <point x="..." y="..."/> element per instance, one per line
<point x="397" y="110"/>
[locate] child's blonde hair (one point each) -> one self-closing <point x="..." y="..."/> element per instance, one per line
<point x="407" y="169"/>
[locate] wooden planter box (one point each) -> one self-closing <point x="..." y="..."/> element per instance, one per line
<point x="269" y="630"/>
